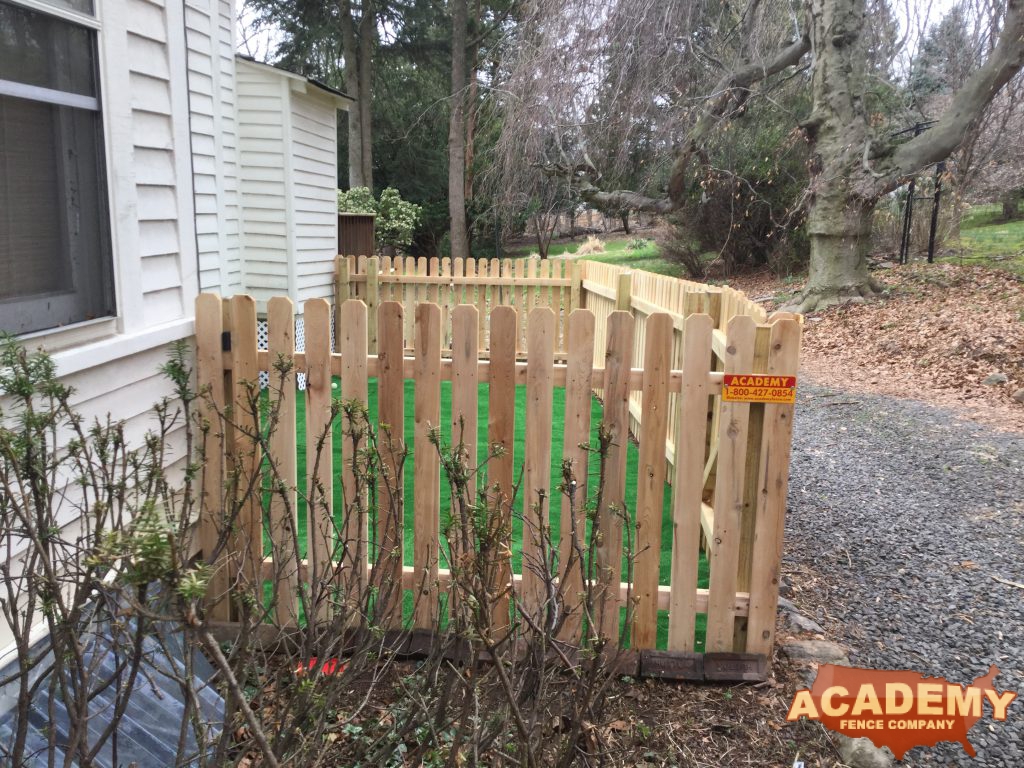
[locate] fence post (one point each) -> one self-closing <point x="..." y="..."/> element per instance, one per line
<point x="341" y="280"/>
<point x="372" y="300"/>
<point x="576" y="290"/>
<point x="210" y="370"/>
<point x="624" y="292"/>
<point x="342" y="288"/>
<point x="752" y="487"/>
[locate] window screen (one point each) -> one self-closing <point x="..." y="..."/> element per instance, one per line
<point x="54" y="239"/>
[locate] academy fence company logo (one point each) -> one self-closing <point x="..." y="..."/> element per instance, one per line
<point x="899" y="710"/>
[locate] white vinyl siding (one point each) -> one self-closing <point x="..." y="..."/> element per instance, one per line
<point x="161" y="160"/>
<point x="288" y="182"/>
<point x="209" y="31"/>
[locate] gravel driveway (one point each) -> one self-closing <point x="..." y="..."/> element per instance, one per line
<point x="900" y="518"/>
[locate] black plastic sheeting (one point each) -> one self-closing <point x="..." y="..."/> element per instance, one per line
<point x="150" y="729"/>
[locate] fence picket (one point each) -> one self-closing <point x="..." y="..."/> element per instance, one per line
<point x="463" y="434"/>
<point x="610" y="514"/>
<point x="537" y="491"/>
<point x="651" y="478"/>
<point x="391" y="439"/>
<point x="518" y="301"/>
<point x="728" y="504"/>
<point x="576" y="438"/>
<point x="748" y="519"/>
<point x="687" y="487"/>
<point x="531" y="295"/>
<point x="283" y="499"/>
<point x="247" y="456"/>
<point x="434" y="268"/>
<point x="773" y="479"/>
<point x="210" y="370"/>
<point x="426" y="462"/>
<point x="501" y="418"/>
<point x="497" y="298"/>
<point x="355" y="528"/>
<point x="319" y="453"/>
<point x="444" y="299"/>
<point x="409" y="303"/>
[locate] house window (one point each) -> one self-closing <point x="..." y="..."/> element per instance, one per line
<point x="55" y="263"/>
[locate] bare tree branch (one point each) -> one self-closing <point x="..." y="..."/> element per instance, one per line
<point x="970" y="101"/>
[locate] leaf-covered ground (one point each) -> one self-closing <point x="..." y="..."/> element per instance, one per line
<point x="941" y="332"/>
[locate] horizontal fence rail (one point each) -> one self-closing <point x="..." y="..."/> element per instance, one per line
<point x="660" y="377"/>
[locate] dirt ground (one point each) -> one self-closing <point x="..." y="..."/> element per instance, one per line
<point x="941" y="331"/>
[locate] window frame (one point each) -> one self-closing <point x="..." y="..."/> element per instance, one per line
<point x="57" y="336"/>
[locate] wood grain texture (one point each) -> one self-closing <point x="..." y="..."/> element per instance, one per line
<point x="732" y="447"/>
<point x="353" y="345"/>
<point x="610" y="513"/>
<point x="249" y="547"/>
<point x="651" y="479"/>
<point x="210" y="373"/>
<point x="391" y="442"/>
<point x="576" y="440"/>
<point x="688" y="483"/>
<point x="427" y="466"/>
<point x="501" y="419"/>
<point x="321" y="528"/>
<point x="537" y="490"/>
<point x="463" y="428"/>
<point x="283" y="518"/>
<point x="773" y="483"/>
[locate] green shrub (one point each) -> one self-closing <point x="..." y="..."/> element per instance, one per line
<point x="396" y="218"/>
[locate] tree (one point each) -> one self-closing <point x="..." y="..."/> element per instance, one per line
<point x="334" y="41"/>
<point x="854" y="160"/>
<point x="457" y="132"/>
<point x="359" y="39"/>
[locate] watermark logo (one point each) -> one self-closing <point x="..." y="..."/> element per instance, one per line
<point x="899" y="710"/>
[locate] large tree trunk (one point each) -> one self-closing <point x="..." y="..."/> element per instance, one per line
<point x="457" y="133"/>
<point x="843" y="191"/>
<point x="350" y="50"/>
<point x="839" y="226"/>
<point x="357" y="48"/>
<point x="1011" y="205"/>
<point x="367" y="43"/>
<point x="471" y="115"/>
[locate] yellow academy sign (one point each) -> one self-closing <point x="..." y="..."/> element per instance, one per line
<point x="758" y="388"/>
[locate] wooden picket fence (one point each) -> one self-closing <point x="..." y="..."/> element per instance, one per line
<point x="730" y="460"/>
<point x="522" y="284"/>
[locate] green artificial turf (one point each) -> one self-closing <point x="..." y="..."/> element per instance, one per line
<point x="519" y="449"/>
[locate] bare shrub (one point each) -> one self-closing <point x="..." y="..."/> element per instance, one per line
<point x="309" y="674"/>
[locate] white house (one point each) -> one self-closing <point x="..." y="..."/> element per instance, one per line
<point x="141" y="161"/>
